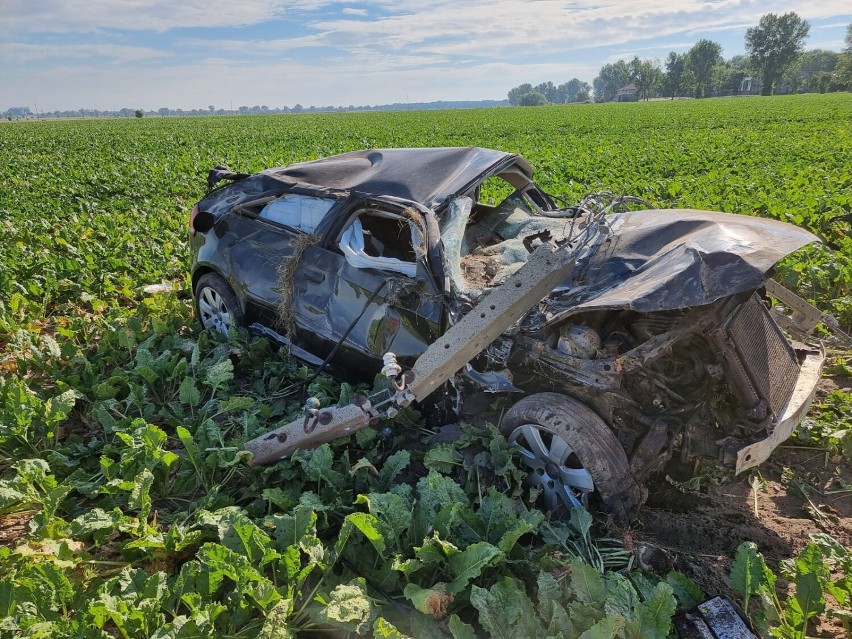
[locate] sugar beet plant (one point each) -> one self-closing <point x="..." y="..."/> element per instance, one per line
<point x="143" y="519"/>
<point x="91" y="209"/>
<point x="821" y="576"/>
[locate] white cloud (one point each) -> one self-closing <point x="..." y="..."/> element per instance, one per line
<point x="18" y="53"/>
<point x="324" y="52"/>
<point x="64" y="16"/>
<point x="534" y="20"/>
<point x="253" y="47"/>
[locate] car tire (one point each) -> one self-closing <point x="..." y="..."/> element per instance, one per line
<point x="572" y="455"/>
<point x="216" y="305"/>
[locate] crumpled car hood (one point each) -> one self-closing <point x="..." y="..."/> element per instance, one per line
<point x="666" y="259"/>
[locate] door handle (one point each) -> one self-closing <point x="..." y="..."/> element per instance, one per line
<point x="314" y="276"/>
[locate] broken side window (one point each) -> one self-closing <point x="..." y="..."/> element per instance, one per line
<point x="380" y="240"/>
<point x="300" y="212"/>
<point x="508" y="192"/>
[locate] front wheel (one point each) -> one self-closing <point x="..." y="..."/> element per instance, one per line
<point x="572" y="455"/>
<point x="216" y="304"/>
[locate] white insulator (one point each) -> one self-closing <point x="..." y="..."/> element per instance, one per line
<point x="391" y="368"/>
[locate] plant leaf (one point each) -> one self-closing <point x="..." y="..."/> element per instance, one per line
<point x="606" y="628"/>
<point x="587" y="584"/>
<point x="469" y="563"/>
<point x="368" y="525"/>
<point x="809" y="600"/>
<point x="189" y="393"/>
<point x="747" y="572"/>
<point x="687" y="593"/>
<point x="350" y="608"/>
<point x="275" y="625"/>
<point x="393" y="466"/>
<point x="459" y="629"/>
<point x="430" y="601"/>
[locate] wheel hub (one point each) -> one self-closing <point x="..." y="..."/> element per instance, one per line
<point x="551" y="469"/>
<point x="213" y="311"/>
<point x="552" y="466"/>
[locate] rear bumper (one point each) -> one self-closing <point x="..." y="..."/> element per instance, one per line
<point x="789" y="417"/>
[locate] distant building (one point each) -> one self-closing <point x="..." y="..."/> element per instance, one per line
<point x="750" y="86"/>
<point x="626" y="93"/>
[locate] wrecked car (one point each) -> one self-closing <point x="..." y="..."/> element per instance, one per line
<point x="626" y="336"/>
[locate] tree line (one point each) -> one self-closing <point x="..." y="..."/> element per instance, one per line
<point x="775" y="62"/>
<point x="16" y="113"/>
<point x="575" y="90"/>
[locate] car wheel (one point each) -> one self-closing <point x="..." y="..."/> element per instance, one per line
<point x="216" y="304"/>
<point x="572" y="455"/>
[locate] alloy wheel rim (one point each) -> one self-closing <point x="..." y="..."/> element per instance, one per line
<point x="213" y="310"/>
<point x="553" y="467"/>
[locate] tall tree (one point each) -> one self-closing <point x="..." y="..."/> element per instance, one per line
<point x="774" y="44"/>
<point x="533" y="98"/>
<point x="702" y="57"/>
<point x="549" y="91"/>
<point x="728" y="75"/>
<point x="647" y="76"/>
<point x="575" y="90"/>
<point x="610" y="79"/>
<point x="811" y="69"/>
<point x="676" y="74"/>
<point x="843" y="71"/>
<point x="516" y="93"/>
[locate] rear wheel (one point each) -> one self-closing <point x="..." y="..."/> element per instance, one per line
<point x="572" y="456"/>
<point x="216" y="304"/>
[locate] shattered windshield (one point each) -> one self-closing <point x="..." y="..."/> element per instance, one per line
<point x="483" y="244"/>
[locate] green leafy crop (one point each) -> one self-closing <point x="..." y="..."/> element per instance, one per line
<point x="122" y="424"/>
<point x="823" y="567"/>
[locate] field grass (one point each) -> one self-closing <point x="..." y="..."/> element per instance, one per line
<point x="121" y="422"/>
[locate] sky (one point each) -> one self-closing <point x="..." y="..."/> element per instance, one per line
<point x="188" y="54"/>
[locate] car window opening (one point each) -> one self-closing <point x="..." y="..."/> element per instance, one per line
<point x="484" y="244"/>
<point x="382" y="241"/>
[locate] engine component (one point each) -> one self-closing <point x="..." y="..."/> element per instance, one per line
<point x="578" y="341"/>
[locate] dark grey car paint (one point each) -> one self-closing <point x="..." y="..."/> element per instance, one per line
<point x="650" y="260"/>
<point x="667" y="259"/>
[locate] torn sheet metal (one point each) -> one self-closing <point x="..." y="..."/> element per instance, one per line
<point x="804" y="317"/>
<point x="671" y="259"/>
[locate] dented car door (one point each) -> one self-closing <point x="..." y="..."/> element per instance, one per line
<point x="365" y="290"/>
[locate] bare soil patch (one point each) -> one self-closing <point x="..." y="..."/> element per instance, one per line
<point x="13" y="528"/>
<point x="799" y="496"/>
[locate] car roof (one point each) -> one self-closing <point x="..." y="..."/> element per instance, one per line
<point x="425" y="175"/>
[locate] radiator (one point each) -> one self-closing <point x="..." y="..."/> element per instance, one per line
<point x="763" y="354"/>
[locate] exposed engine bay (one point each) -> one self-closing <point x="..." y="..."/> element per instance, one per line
<point x="688" y="383"/>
